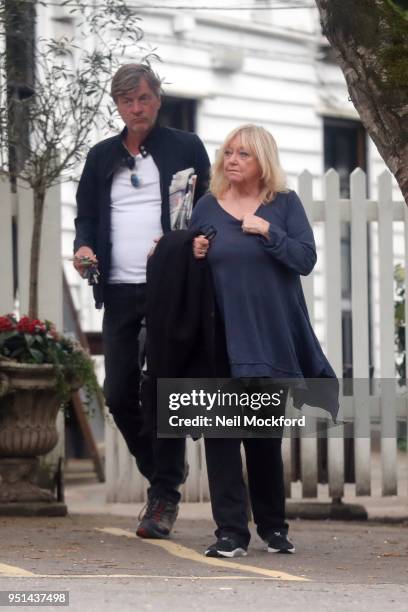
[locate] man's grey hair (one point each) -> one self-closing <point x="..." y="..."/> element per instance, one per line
<point x="127" y="78"/>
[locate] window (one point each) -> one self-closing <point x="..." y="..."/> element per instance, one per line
<point x="344" y="149"/>
<point x="178" y="113"/>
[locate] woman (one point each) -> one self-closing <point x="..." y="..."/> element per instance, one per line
<point x="263" y="243"/>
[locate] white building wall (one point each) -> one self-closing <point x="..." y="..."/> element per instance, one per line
<point x="280" y="83"/>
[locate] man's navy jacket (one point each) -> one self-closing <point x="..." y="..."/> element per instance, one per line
<point x="172" y="150"/>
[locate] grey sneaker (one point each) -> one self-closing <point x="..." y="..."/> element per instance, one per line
<point x="158" y="518"/>
<point x="278" y="542"/>
<point x="226" y="547"/>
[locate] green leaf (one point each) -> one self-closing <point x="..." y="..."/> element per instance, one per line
<point x="6" y="335"/>
<point x="29" y="339"/>
<point x="17" y="352"/>
<point x="37" y="356"/>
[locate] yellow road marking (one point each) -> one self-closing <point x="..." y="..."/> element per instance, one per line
<point x="187" y="553"/>
<point x="143" y="576"/>
<point x="13" y="571"/>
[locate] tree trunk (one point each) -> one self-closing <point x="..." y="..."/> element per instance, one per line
<point x="370" y="40"/>
<point x="19" y="23"/>
<point x="39" y="199"/>
<point x="19" y="18"/>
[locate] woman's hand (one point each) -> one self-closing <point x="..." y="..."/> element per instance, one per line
<point x="252" y="224"/>
<point x="200" y="247"/>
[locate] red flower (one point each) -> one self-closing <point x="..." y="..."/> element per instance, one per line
<point x="30" y="326"/>
<point x="6" y="324"/>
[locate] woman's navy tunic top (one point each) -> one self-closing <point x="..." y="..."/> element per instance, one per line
<point x="259" y="292"/>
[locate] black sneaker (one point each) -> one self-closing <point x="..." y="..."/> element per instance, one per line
<point x="226" y="547"/>
<point x="158" y="519"/>
<point x="278" y="542"/>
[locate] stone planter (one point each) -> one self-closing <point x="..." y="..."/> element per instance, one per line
<point x="29" y="406"/>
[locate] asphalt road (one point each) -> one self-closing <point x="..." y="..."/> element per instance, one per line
<point x="337" y="566"/>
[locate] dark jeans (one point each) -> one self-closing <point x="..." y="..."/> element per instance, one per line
<point x="228" y="493"/>
<point x="161" y="461"/>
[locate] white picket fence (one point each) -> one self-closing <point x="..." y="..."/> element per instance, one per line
<point x="385" y="406"/>
<point x="124" y="483"/>
<point x="382" y="217"/>
<point x="19" y="207"/>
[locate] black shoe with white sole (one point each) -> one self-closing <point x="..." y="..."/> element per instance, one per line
<point x="278" y="542"/>
<point x="226" y="547"/>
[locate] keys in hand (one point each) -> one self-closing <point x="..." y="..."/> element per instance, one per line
<point x="92" y="275"/>
<point x="91" y="272"/>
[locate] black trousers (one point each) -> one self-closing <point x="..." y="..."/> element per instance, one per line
<point x="161" y="461"/>
<point x="228" y="492"/>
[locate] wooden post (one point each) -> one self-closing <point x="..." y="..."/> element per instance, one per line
<point x="6" y="249"/>
<point x="308" y="441"/>
<point x="335" y="442"/>
<point x="360" y="318"/>
<point x="387" y="368"/>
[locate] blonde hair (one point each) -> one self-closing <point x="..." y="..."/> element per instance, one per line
<point x="261" y="144"/>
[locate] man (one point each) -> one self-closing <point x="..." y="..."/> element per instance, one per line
<point x="123" y="207"/>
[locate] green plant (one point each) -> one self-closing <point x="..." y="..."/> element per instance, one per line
<point x="33" y="341"/>
<point x="400" y="362"/>
<point x="399" y="317"/>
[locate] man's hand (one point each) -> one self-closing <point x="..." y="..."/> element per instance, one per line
<point x="252" y="224"/>
<point x="82" y="252"/>
<point x="200" y="247"/>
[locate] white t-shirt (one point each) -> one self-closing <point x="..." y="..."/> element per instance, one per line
<point x="135" y="220"/>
